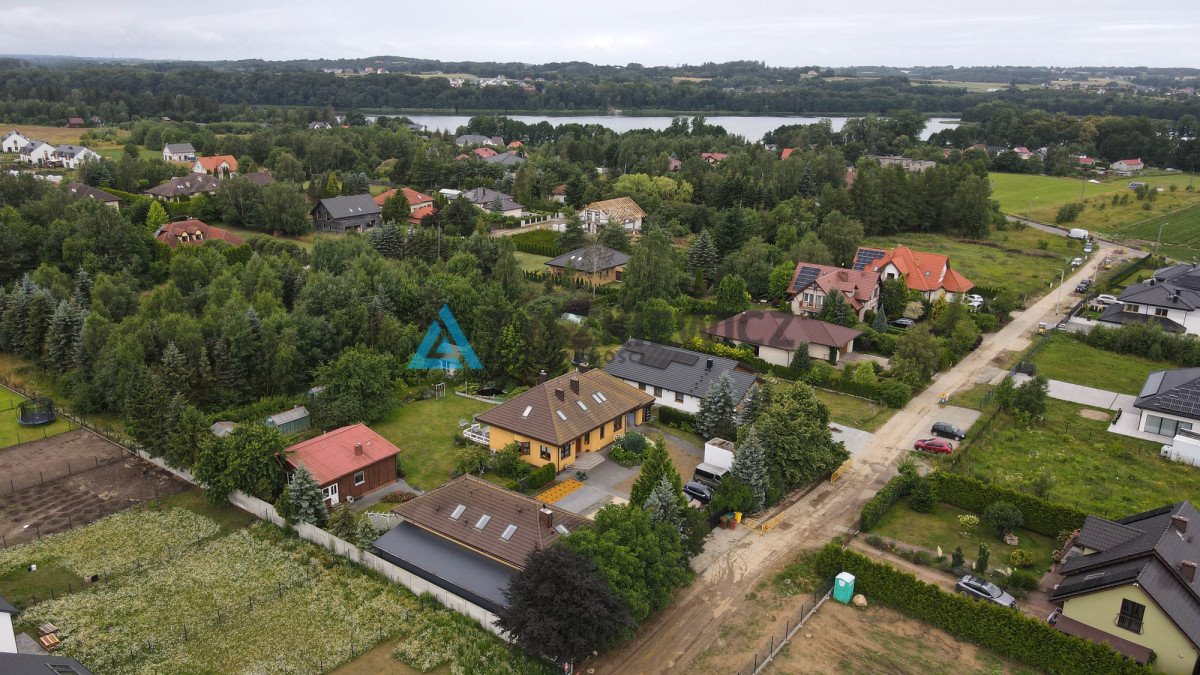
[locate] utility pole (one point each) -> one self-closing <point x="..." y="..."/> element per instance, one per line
<point x="1061" y="278"/>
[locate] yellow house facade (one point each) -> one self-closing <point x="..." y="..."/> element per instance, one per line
<point x="1103" y="611"/>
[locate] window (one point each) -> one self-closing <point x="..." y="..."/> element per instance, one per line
<point x="1161" y="311"/>
<point x="658" y="392"/>
<point x="528" y="409"/>
<point x="545" y="453"/>
<point x="1164" y="426"/>
<point x="820" y="300"/>
<point x="587" y="438"/>
<point x="679" y="397"/>
<point x="808" y="298"/>
<point x="1132" y="308"/>
<point x="581" y="405"/>
<point x="360" y="477"/>
<point x="483" y="521"/>
<point x="458" y="511"/>
<point x="509" y="532"/>
<point x="1131" y="615"/>
<point x="524" y="446"/>
<point x="642" y="386"/>
<point x="565" y="451"/>
<point x="602" y="432"/>
<point x="617" y="424"/>
<point x="561" y="415"/>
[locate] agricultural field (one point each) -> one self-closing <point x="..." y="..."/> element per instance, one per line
<point x="185" y="592"/>
<point x="1067" y="359"/>
<point x="1022" y="194"/>
<point x="1180" y="232"/>
<point x="1096" y="471"/>
<point x="425" y="431"/>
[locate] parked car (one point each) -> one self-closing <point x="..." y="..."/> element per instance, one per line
<point x="1077" y="262"/>
<point x="982" y="589"/>
<point x="947" y="430"/>
<point x="974" y="298"/>
<point x="698" y="491"/>
<point x="937" y="445"/>
<point x="1108" y="263"/>
<point x="1083" y="286"/>
<point x="1105" y="299"/>
<point x="1087" y="248"/>
<point x="903" y="323"/>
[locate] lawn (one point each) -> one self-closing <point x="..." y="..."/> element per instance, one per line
<point x="305" y="240"/>
<point x="854" y="412"/>
<point x="1098" y="472"/>
<point x="11" y="431"/>
<point x="1067" y="359"/>
<point x="1027" y="274"/>
<point x="1180" y="232"/>
<point x="183" y="594"/>
<point x="1021" y="194"/>
<point x="530" y="262"/>
<point x="28" y="377"/>
<point x="424" y="432"/>
<point x="941" y="528"/>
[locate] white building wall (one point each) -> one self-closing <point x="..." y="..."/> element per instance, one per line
<point x="8" y="639"/>
<point x="690" y="404"/>
<point x="1167" y="416"/>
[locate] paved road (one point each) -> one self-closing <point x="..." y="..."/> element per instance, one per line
<point x="674" y="637"/>
<point x="1036" y="225"/>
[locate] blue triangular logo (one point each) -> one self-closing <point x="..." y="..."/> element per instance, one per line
<point x="444" y="346"/>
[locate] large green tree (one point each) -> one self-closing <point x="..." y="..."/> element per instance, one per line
<point x="249" y="459"/>
<point x="282" y="209"/>
<point x="717" y="415"/>
<point x="652" y="271"/>
<point x="794" y="432"/>
<point x="359" y="386"/>
<point x="656" y="464"/>
<point x="750" y="467"/>
<point x="842" y="235"/>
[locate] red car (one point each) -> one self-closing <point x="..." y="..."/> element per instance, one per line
<point x="939" y="445"/>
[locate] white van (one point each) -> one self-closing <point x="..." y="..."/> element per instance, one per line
<point x="1077" y="233"/>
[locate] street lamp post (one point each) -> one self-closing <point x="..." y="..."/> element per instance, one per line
<point x="1061" y="277"/>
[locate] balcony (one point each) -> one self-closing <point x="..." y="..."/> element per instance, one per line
<point x="479" y="433"/>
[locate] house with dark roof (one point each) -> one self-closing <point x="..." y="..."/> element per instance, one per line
<point x="192" y="232"/>
<point x="622" y="211"/>
<point x="1170" y="300"/>
<point x="83" y="191"/>
<point x="72" y="156"/>
<point x="678" y="378"/>
<point x="179" y="152"/>
<point x="557" y="420"/>
<point x="929" y="274"/>
<point x="39" y="664"/>
<point x="347" y="463"/>
<point x="494" y="201"/>
<point x="470" y="537"/>
<point x="182" y="187"/>
<point x="348" y="213"/>
<point x="596" y="265"/>
<point x="1169" y="402"/>
<point x="812" y="284"/>
<point x="1132" y="584"/>
<point x="474" y="139"/>
<point x="510" y="158"/>
<point x="36" y="152"/>
<point x="74" y="122"/>
<point x="775" y="336"/>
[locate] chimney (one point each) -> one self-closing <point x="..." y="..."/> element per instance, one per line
<point x="358" y="449"/>
<point x="562" y="395"/>
<point x="575" y="384"/>
<point x="708" y="363"/>
<point x="1188" y="569"/>
<point x="542" y="376"/>
<point x="1180" y="523"/>
<point x="545" y="518"/>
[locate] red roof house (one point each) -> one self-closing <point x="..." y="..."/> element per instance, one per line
<point x="929" y="273"/>
<point x="193" y="232"/>
<point x="347" y="463"/>
<point x="217" y="165"/>
<point x="787" y="152"/>
<point x="415" y="199"/>
<point x="74" y="122"/>
<point x="775" y="336"/>
<point x="713" y="157"/>
<point x="812" y="283"/>
<point x="484" y="153"/>
<point x="515" y="144"/>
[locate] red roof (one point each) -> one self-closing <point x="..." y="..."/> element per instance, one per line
<point x="780" y="330"/>
<point x="922" y="271"/>
<point x="560" y="189"/>
<point x="787" y="152"/>
<point x="214" y="163"/>
<point x="193" y="231"/>
<point x="857" y="286"/>
<point x="414" y="198"/>
<point x="484" y="152"/>
<point x="334" y="454"/>
<point x="416" y="216"/>
<point x="515" y="144"/>
<point x="713" y="156"/>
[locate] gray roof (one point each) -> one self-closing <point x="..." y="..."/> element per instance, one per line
<point x="83" y="191"/>
<point x="505" y="159"/>
<point x="69" y="150"/>
<point x="1145" y="548"/>
<point x="445" y="563"/>
<point x="1176" y="392"/>
<point x="25" y="664"/>
<point x="485" y="198"/>
<point x="31" y="146"/>
<point x="473" y="139"/>
<point x="676" y="369"/>
<point x="348" y="206"/>
<point x="7" y="608"/>
<point x="223" y="428"/>
<point x="297" y="413"/>
<point x="188" y="185"/>
<point x="588" y="258"/>
<point x="179" y="148"/>
<point x="1176" y="287"/>
<point x="1117" y="314"/>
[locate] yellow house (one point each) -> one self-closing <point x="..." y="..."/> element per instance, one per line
<point x="1131" y="584"/>
<point x="557" y="420"/>
<point x="596" y="265"/>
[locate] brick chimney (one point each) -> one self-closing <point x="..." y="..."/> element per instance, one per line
<point x="542" y="376"/>
<point x="1188" y="569"/>
<point x="545" y="518"/>
<point x="562" y="395"/>
<point x="1180" y="523"/>
<point x="358" y="449"/>
<point x="575" y="384"/>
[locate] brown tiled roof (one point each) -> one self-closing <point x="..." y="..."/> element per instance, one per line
<point x="536" y="413"/>
<point x="185" y="186"/>
<point x="780" y="330"/>
<point x="214" y="163"/>
<point x="83" y="191"/>
<point x="621" y="208"/>
<point x="435" y="511"/>
<point x="857" y="285"/>
<point x="193" y="231"/>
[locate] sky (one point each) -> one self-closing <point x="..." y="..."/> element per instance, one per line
<point x="780" y="33"/>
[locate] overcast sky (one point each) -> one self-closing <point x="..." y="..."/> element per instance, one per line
<point x="651" y="32"/>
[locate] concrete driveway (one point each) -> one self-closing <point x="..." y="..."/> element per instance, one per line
<point x="1089" y="396"/>
<point x="856" y="440"/>
<point x="962" y="418"/>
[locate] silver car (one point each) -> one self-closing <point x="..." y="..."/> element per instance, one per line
<point x="982" y="589"/>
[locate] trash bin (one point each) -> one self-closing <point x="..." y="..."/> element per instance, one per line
<point x="732" y="520"/>
<point x="737" y="516"/>
<point x="843" y="588"/>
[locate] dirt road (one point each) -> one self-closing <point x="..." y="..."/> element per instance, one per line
<point x="673" y="638"/>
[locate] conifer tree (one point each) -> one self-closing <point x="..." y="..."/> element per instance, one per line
<point x="750" y="467"/>
<point x="305" y="498"/>
<point x="176" y="372"/>
<point x="716" y="418"/>
<point x="703" y="257"/>
<point x="760" y="400"/>
<point x="573" y="235"/>
<point x="656" y="465"/>
<point x="663" y="504"/>
<point x="880" y="324"/>
<point x="156" y="216"/>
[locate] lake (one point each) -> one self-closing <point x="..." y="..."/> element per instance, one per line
<point x="751" y="127"/>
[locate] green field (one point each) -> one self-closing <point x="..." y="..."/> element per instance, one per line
<point x="1096" y="471"/>
<point x="530" y="262"/>
<point x="855" y="412"/>
<point x="1021" y="194"/>
<point x="11" y="431"/>
<point x="1180" y="232"/>
<point x="424" y="431"/>
<point x="1067" y="359"/>
<point x="1028" y="274"/>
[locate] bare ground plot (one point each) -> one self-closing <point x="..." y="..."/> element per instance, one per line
<point x="103" y="479"/>
<point x="842" y="639"/>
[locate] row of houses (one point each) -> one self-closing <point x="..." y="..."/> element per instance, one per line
<point x="41" y="153"/>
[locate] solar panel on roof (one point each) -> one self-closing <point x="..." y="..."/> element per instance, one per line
<point x="865" y="257"/>
<point x="806" y="276"/>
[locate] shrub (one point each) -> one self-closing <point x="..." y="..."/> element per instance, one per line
<point x="540" y="476"/>
<point x="922" y="557"/>
<point x="999" y="629"/>
<point x="878" y="505"/>
<point x="1003" y="518"/>
<point x="922" y="498"/>
<point x="981" y="561"/>
<point x="968" y="521"/>
<point x="1022" y="558"/>
<point x="875" y="540"/>
<point x="1022" y="581"/>
<point x="956" y="558"/>
<point x="629" y="449"/>
<point x="509" y="464"/>
<point x="974" y="495"/>
<point x="893" y="393"/>
<point x="472" y="459"/>
<point x="677" y="419"/>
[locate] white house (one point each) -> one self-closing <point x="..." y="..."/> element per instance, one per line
<point x="622" y="210"/>
<point x="36" y="152"/>
<point x="678" y="378"/>
<point x="72" y="156"/>
<point x="1127" y="167"/>
<point x="14" y="141"/>
<point x="1169" y="402"/>
<point x="775" y="336"/>
<point x="8" y="639"/>
<point x="1169" y="299"/>
<point x="179" y="152"/>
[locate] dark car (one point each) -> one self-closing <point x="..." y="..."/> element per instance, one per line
<point x="938" y="445"/>
<point x="903" y="323"/>
<point x="982" y="589"/>
<point x="947" y="430"/>
<point x="1083" y="286"/>
<point x="698" y="491"/>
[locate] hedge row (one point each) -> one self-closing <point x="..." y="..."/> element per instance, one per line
<point x="974" y="495"/>
<point x="677" y="418"/>
<point x="540" y="476"/>
<point x="872" y="512"/>
<point x="1004" y="631"/>
<point x="548" y="250"/>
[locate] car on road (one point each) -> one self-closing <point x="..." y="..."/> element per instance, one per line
<point x="940" y="446"/>
<point x="982" y="589"/>
<point x="903" y="323"/>
<point x="1077" y="262"/>
<point x="1105" y="299"/>
<point x="947" y="430"/>
<point x="698" y="491"/>
<point x="1083" y="286"/>
<point x="1108" y="263"/>
<point x="1087" y="248"/>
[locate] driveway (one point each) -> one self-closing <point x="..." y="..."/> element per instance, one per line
<point x="856" y="440"/>
<point x="1089" y="396"/>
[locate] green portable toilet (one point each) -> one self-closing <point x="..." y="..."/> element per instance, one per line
<point x="843" y="588"/>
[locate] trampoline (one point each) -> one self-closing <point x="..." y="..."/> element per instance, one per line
<point x="36" y="412"/>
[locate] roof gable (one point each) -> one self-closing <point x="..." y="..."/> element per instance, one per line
<point x="679" y="370"/>
<point x="620" y="208"/>
<point x="590" y="258"/>
<point x="1172" y="391"/>
<point x="349" y="206"/>
<point x="780" y="330"/>
<point x="334" y="454"/>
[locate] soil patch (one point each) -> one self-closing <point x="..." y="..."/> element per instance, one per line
<point x="1095" y="414"/>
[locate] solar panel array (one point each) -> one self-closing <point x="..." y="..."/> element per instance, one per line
<point x="865" y="257"/>
<point x="657" y="356"/>
<point x="806" y="277"/>
<point x="1185" y="399"/>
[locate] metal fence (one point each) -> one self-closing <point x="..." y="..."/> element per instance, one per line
<point x="776" y="641"/>
<point x="53" y="472"/>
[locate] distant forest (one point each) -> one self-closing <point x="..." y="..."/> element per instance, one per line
<point x="43" y="92"/>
